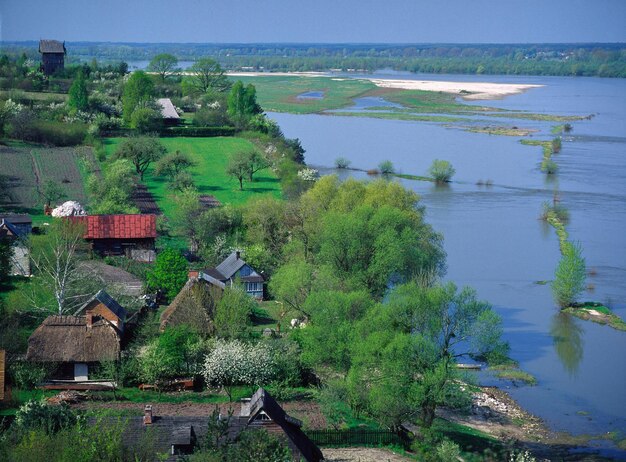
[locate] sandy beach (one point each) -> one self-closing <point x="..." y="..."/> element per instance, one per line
<point x="467" y="90"/>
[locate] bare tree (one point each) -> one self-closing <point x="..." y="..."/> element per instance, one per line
<point x="56" y="260"/>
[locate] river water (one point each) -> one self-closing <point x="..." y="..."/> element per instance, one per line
<point x="493" y="236"/>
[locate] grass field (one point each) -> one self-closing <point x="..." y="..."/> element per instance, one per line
<point x="279" y="93"/>
<point x="210" y="156"/>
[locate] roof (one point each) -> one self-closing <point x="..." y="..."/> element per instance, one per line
<point x="193" y="305"/>
<point x="231" y="265"/>
<point x="168" y="111"/>
<point x="263" y="401"/>
<point x="51" y="46"/>
<point x="18" y="219"/>
<point x="162" y="433"/>
<point x="107" y="301"/>
<point x="8" y="230"/>
<point x="119" y="226"/>
<point x="68" y="339"/>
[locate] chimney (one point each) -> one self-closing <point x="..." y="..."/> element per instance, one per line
<point x="89" y="319"/>
<point x="245" y="407"/>
<point x="238" y="254"/>
<point x="193" y="274"/>
<point x="147" y="415"/>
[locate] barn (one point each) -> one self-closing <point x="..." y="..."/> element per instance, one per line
<point x="52" y="56"/>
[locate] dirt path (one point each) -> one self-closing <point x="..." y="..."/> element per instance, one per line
<point x="362" y="455"/>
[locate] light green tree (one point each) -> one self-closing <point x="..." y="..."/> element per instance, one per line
<point x="138" y="90"/>
<point x="78" y="95"/>
<point x="569" y="279"/>
<point x="169" y="273"/>
<point x="141" y="151"/>
<point x="207" y="74"/>
<point x="233" y="313"/>
<point x="441" y="171"/>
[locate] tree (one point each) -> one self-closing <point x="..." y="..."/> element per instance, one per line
<point x="169" y="273"/>
<point x="138" y="90"/>
<point x="173" y="164"/>
<point x="207" y="74"/>
<point x="239" y="166"/>
<point x="242" y="103"/>
<point x="113" y="193"/>
<point x="233" y="312"/>
<point x="386" y="167"/>
<point x="163" y="64"/>
<point x="569" y="279"/>
<point x="141" y="151"/>
<point x="78" y="94"/>
<point x="256" y="162"/>
<point x="233" y="363"/>
<point x="52" y="192"/>
<point x="441" y="170"/>
<point x="6" y="255"/>
<point x="56" y="259"/>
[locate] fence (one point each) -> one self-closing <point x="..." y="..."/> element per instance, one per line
<point x="357" y="437"/>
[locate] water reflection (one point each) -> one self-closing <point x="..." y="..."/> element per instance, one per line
<point x="567" y="337"/>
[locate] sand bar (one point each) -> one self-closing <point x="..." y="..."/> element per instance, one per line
<point x="467" y="90"/>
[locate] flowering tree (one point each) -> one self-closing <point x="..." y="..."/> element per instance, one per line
<point x="237" y="363"/>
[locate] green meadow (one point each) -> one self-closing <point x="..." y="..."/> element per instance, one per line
<point x="209" y="172"/>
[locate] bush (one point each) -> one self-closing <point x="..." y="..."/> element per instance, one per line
<point x="386" y="167"/>
<point x="145" y="120"/>
<point x="49" y="132"/>
<point x="38" y="415"/>
<point x="556" y="145"/>
<point x="169" y="273"/>
<point x="198" y="131"/>
<point x="550" y="167"/>
<point x="26" y="375"/>
<point x="342" y="162"/>
<point x="441" y="171"/>
<point x="569" y="281"/>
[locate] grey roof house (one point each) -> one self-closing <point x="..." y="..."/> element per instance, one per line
<point x="234" y="267"/>
<point x="16" y="229"/>
<point x="179" y="435"/>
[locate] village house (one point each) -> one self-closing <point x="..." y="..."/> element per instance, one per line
<point x="92" y="335"/>
<point x="195" y="304"/>
<point x="235" y="268"/>
<point x="130" y="235"/>
<point x="52" y="56"/>
<point x="15" y="229"/>
<point x="168" y="112"/>
<point x="179" y="435"/>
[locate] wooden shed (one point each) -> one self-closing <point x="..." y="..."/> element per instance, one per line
<point x="52" y="56"/>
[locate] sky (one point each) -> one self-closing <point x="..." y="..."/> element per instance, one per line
<point x="320" y="21"/>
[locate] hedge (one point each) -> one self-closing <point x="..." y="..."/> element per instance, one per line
<point x="171" y="132"/>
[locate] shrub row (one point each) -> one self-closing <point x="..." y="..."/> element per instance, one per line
<point x="171" y="132"/>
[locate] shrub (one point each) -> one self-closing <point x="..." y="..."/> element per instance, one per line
<point x="198" y="131"/>
<point x="386" y="167"/>
<point x="38" y="415"/>
<point x="26" y="375"/>
<point x="441" y="171"/>
<point x="145" y="120"/>
<point x="342" y="163"/>
<point x="550" y="167"/>
<point x="556" y="145"/>
<point x="569" y="281"/>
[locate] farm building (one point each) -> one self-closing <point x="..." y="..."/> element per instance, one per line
<point x="178" y="435"/>
<point x="195" y="304"/>
<point x="92" y="335"/>
<point x="233" y="268"/>
<point x="52" y="56"/>
<point x="168" y="112"/>
<point x="130" y="235"/>
<point x="15" y="230"/>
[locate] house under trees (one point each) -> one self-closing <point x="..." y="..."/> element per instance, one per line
<point x="235" y="268"/>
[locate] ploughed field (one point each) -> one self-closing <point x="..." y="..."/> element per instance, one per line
<point x="25" y="169"/>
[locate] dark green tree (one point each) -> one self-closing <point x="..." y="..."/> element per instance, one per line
<point x="242" y="103"/>
<point x="169" y="273"/>
<point x="207" y="74"/>
<point x="164" y="65"/>
<point x="141" y="151"/>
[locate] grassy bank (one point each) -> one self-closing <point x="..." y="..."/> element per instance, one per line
<point x="280" y="93"/>
<point x="598" y="313"/>
<point x="209" y="172"/>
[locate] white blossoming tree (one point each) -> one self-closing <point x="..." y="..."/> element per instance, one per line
<point x="233" y="363"/>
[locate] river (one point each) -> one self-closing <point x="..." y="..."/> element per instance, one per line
<point x="493" y="236"/>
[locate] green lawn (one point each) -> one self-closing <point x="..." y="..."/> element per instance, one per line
<point x="279" y="93"/>
<point x="211" y="156"/>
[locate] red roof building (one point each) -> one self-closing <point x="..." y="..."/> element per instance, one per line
<point x="130" y="235"/>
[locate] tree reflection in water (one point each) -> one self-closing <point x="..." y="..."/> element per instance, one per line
<point x="567" y="336"/>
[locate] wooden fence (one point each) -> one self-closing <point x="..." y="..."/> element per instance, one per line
<point x="357" y="437"/>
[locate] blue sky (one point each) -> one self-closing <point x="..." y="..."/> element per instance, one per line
<point x="349" y="21"/>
